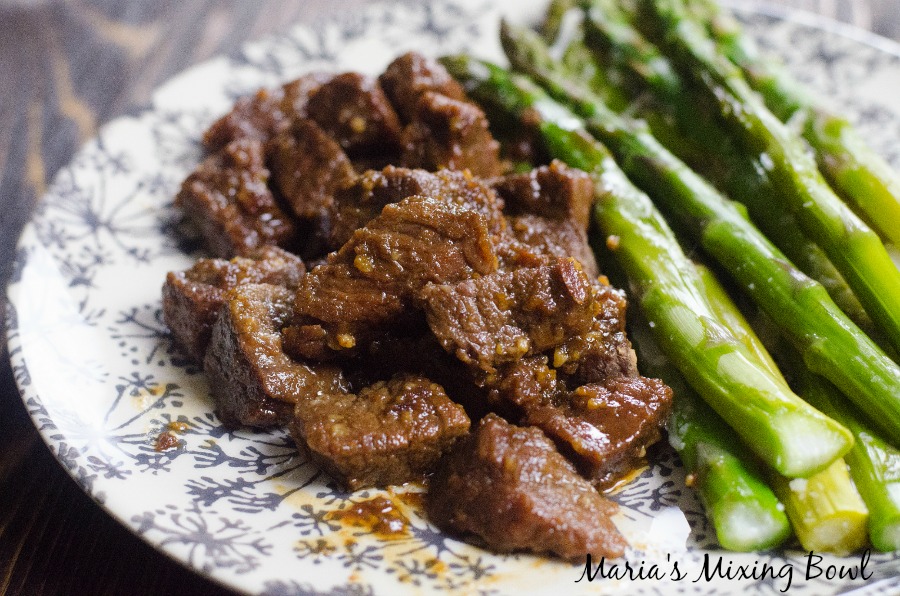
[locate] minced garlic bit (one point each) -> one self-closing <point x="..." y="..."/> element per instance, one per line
<point x="364" y="263"/>
<point x="612" y="242"/>
<point x="345" y="340"/>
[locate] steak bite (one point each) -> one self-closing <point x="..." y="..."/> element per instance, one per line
<point x="549" y="209"/>
<point x="523" y="386"/>
<point x="192" y="298"/>
<point x="602" y="353"/>
<point x="509" y="486"/>
<point x="555" y="191"/>
<point x="408" y="77"/>
<point x="606" y="429"/>
<point x="450" y="133"/>
<point x="362" y="201"/>
<point x="308" y="166"/>
<point x="354" y="111"/>
<point x="390" y="433"/>
<point x="537" y="239"/>
<point x="253" y="382"/>
<point x="420" y="353"/>
<point x="228" y="199"/>
<point x="499" y="318"/>
<point x="370" y="284"/>
<point x="265" y="114"/>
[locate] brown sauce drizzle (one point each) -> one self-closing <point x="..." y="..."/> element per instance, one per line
<point x="164" y="441"/>
<point x="378" y="515"/>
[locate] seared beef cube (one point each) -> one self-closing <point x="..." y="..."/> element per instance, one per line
<point x="449" y="133"/>
<point x="265" y="114"/>
<point x="605" y="430"/>
<point x="253" y="382"/>
<point x="604" y="352"/>
<point x="421" y="354"/>
<point x="228" y="200"/>
<point x="308" y="166"/>
<point x="408" y="77"/>
<point x="510" y="487"/>
<point x="192" y="298"/>
<point x="354" y="111"/>
<point x="392" y="432"/>
<point x="370" y="283"/>
<point x="362" y="201"/>
<point x="499" y="318"/>
<point x="524" y="385"/>
<point x="554" y="238"/>
<point x="555" y="191"/>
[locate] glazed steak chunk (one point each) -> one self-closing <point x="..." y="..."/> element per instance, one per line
<point x="354" y="111"/>
<point x="390" y="433"/>
<point x="449" y="133"/>
<point x="408" y="77"/>
<point x="192" y="298"/>
<point x="228" y="199"/>
<point x="253" y="382"/>
<point x="604" y="352"/>
<point x="365" y="287"/>
<point x="308" y="166"/>
<point x="554" y="191"/>
<point x="362" y="201"/>
<point x="606" y="429"/>
<point x="509" y="486"/>
<point x="535" y="238"/>
<point x="499" y="318"/>
<point x="265" y="114"/>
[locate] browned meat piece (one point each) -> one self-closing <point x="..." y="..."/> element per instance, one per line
<point x="606" y="430"/>
<point x="308" y="166"/>
<point x="555" y="191"/>
<point x="252" y="381"/>
<point x="499" y="318"/>
<point x="392" y="432"/>
<point x="535" y="236"/>
<point x="523" y="386"/>
<point x="421" y="354"/>
<point x="228" y="200"/>
<point x="509" y="486"/>
<point x="604" y="352"/>
<point x="354" y="111"/>
<point x="449" y="133"/>
<point x="265" y="114"/>
<point x="192" y="298"/>
<point x="408" y="77"/>
<point x="359" y="203"/>
<point x="370" y="283"/>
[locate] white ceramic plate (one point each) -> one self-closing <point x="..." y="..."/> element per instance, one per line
<point x="102" y="380"/>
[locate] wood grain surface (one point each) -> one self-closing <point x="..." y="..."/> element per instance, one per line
<point x="66" y="67"/>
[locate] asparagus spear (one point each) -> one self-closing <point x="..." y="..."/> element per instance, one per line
<point x="826" y="511"/>
<point x="874" y="464"/>
<point x="746" y="514"/>
<point x="564" y="31"/>
<point x="731" y="317"/>
<point x="851" y="245"/>
<point x="785" y="432"/>
<point x="705" y="146"/>
<point x="830" y="343"/>
<point x="859" y="174"/>
<point x="556" y="15"/>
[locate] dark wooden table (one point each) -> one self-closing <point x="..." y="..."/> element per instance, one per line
<point x="66" y="67"/>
